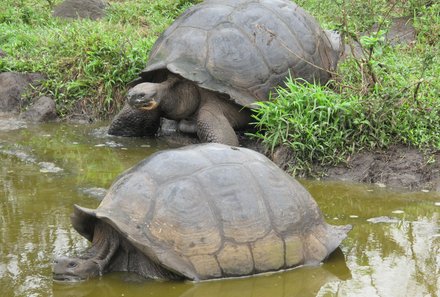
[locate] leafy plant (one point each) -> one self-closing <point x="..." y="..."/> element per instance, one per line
<point x="316" y="123"/>
<point x="87" y="63"/>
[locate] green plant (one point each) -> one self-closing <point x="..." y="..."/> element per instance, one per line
<point x="87" y="63"/>
<point x="387" y="95"/>
<point x="315" y="122"/>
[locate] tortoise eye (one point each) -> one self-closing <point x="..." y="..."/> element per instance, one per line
<point x="72" y="264"/>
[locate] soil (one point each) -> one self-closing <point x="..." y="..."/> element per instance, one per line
<point x="399" y="167"/>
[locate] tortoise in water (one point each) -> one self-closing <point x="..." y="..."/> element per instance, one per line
<point x="201" y="212"/>
<point x="220" y="57"/>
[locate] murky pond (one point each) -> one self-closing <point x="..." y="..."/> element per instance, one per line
<point x="393" y="250"/>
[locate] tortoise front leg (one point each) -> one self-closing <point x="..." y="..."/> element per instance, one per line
<point x="132" y="122"/>
<point x="187" y="126"/>
<point x="213" y="126"/>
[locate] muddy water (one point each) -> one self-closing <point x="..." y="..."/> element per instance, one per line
<point x="394" y="249"/>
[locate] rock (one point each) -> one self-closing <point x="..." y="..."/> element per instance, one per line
<point x="434" y="184"/>
<point x="10" y="123"/>
<point x="13" y="85"/>
<point x="96" y="193"/>
<point x="283" y="156"/>
<point x="400" y="32"/>
<point x="383" y="219"/>
<point x="49" y="167"/>
<point x="43" y="110"/>
<point x="79" y="118"/>
<point x="74" y="9"/>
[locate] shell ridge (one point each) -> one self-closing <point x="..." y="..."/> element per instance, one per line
<point x="271" y="217"/>
<point x="252" y="41"/>
<point x="254" y="269"/>
<point x="214" y="209"/>
<point x="266" y="205"/>
<point x="281" y="18"/>
<point x="172" y="259"/>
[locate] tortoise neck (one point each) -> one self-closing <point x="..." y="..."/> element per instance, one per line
<point x="180" y="98"/>
<point x="104" y="246"/>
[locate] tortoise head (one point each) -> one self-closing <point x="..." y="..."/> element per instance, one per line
<point x="144" y="96"/>
<point x="337" y="47"/>
<point x="95" y="260"/>
<point x="148" y="96"/>
<point x="75" y="269"/>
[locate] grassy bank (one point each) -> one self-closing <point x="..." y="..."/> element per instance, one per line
<point x="389" y="94"/>
<point x="88" y="63"/>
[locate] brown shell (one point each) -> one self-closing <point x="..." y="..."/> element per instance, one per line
<point x="211" y="211"/>
<point x="243" y="48"/>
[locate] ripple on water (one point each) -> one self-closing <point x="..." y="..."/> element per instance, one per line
<point x="383" y="219"/>
<point x="45" y="167"/>
<point x="11" y="124"/>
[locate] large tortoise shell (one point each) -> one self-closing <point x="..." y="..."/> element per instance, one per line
<point x="210" y="211"/>
<point x="243" y="48"/>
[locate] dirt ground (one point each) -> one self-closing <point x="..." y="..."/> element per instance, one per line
<point x="398" y="167"/>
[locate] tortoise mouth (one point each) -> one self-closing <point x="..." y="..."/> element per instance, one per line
<point x="152" y="104"/>
<point x="65" y="277"/>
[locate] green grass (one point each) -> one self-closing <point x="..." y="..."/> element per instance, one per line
<point x="391" y="95"/>
<point x="87" y="63"/>
<point x="388" y="95"/>
<point x="315" y="122"/>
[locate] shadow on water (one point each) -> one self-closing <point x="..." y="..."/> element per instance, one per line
<point x="393" y="249"/>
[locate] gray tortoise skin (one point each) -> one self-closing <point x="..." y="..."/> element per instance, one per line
<point x="202" y="212"/>
<point x="219" y="58"/>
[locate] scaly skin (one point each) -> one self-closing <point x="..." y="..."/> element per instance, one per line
<point x="215" y="117"/>
<point x="109" y="252"/>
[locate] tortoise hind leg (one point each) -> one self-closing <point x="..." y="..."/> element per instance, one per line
<point x="213" y="126"/>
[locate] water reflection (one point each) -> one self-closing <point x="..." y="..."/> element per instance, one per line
<point x="398" y="256"/>
<point x="301" y="282"/>
<point x="393" y="250"/>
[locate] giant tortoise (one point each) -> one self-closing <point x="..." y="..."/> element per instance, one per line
<point x="220" y="57"/>
<point x="201" y="212"/>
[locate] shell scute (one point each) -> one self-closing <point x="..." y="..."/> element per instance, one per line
<point x="291" y="206"/>
<point x="183" y="219"/>
<point x="268" y="253"/>
<point x="270" y="36"/>
<point x="232" y="57"/>
<point x="236" y="259"/>
<point x="239" y="206"/>
<point x="173" y="165"/>
<point x="198" y="18"/>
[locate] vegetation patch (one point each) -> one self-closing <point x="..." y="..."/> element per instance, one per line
<point x="88" y="63"/>
<point x="388" y="95"/>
